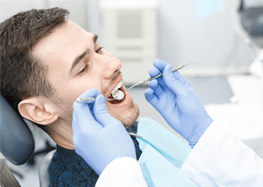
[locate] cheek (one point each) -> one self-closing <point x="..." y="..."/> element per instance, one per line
<point x="76" y="89"/>
<point x="70" y="88"/>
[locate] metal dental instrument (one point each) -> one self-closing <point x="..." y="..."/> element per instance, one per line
<point x="151" y="78"/>
<point x="80" y="100"/>
<point x="135" y="135"/>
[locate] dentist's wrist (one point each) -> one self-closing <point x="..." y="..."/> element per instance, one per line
<point x="200" y="130"/>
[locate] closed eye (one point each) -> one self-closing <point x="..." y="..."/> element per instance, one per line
<point x="98" y="50"/>
<point x="84" y="69"/>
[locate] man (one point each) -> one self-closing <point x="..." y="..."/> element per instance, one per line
<point x="46" y="63"/>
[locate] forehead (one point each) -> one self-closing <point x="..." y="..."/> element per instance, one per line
<point x="63" y="44"/>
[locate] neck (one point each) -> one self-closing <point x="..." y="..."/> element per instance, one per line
<point x="61" y="132"/>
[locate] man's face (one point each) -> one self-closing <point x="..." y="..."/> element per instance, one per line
<point x="76" y="64"/>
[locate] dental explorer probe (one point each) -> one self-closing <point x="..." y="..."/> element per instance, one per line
<point x="159" y="75"/>
<point x="87" y="99"/>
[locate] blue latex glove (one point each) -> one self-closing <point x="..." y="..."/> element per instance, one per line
<point x="175" y="99"/>
<point x="99" y="138"/>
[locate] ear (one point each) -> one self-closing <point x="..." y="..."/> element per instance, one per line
<point x="38" y="110"/>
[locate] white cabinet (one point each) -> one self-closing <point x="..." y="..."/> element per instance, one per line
<point x="129" y="33"/>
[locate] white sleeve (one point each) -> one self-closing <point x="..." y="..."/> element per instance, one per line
<point x="220" y="159"/>
<point x="122" y="172"/>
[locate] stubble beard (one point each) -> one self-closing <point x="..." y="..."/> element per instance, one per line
<point x="128" y="117"/>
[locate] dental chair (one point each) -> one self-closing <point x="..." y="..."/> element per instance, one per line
<point x="17" y="146"/>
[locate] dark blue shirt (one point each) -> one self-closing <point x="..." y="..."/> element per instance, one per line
<point x="69" y="169"/>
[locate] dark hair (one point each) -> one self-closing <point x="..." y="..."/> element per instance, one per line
<point x="22" y="75"/>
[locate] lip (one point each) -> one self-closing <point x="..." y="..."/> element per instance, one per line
<point x="127" y="99"/>
<point x="119" y="78"/>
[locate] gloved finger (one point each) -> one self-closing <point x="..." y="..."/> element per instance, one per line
<point x="76" y="130"/>
<point x="82" y="110"/>
<point x="90" y="93"/>
<point x="85" y="122"/>
<point x="154" y="71"/>
<point x="180" y="78"/>
<point x="172" y="82"/>
<point x="150" y="97"/>
<point x="101" y="114"/>
<point x="158" y="90"/>
<point x="159" y="64"/>
<point x="74" y="122"/>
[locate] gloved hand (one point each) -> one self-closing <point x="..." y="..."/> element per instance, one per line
<point x="99" y="138"/>
<point x="175" y="99"/>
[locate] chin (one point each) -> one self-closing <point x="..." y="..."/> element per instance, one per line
<point x="128" y="116"/>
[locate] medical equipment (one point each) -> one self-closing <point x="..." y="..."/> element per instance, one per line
<point x="118" y="95"/>
<point x="159" y="75"/>
<point x="88" y="99"/>
<point x="135" y="135"/>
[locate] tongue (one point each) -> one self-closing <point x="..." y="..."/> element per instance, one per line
<point x="118" y="95"/>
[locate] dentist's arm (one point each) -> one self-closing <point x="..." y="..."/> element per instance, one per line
<point x="218" y="159"/>
<point x="103" y="142"/>
<point x="175" y="99"/>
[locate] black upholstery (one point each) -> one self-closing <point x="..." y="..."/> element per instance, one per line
<point x="17" y="142"/>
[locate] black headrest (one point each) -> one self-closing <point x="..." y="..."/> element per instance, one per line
<point x="17" y="142"/>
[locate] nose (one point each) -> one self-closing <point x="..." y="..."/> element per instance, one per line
<point x="110" y="65"/>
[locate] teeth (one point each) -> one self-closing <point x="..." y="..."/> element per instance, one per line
<point x="116" y="88"/>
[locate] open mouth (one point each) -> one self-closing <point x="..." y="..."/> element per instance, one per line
<point x="118" y="93"/>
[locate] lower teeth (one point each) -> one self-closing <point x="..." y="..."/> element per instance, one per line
<point x="118" y="95"/>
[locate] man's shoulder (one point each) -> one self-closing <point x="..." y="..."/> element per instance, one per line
<point x="68" y="169"/>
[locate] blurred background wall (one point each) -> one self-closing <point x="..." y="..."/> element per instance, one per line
<point x="184" y="35"/>
<point x="186" y="31"/>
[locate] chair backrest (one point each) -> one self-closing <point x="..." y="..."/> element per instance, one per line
<point x="17" y="142"/>
<point x="43" y="172"/>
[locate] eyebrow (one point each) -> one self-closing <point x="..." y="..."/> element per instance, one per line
<point x="78" y="59"/>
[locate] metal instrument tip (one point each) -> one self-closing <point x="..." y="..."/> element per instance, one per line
<point x="135" y="85"/>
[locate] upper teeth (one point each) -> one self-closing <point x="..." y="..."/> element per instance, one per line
<point x="116" y="87"/>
